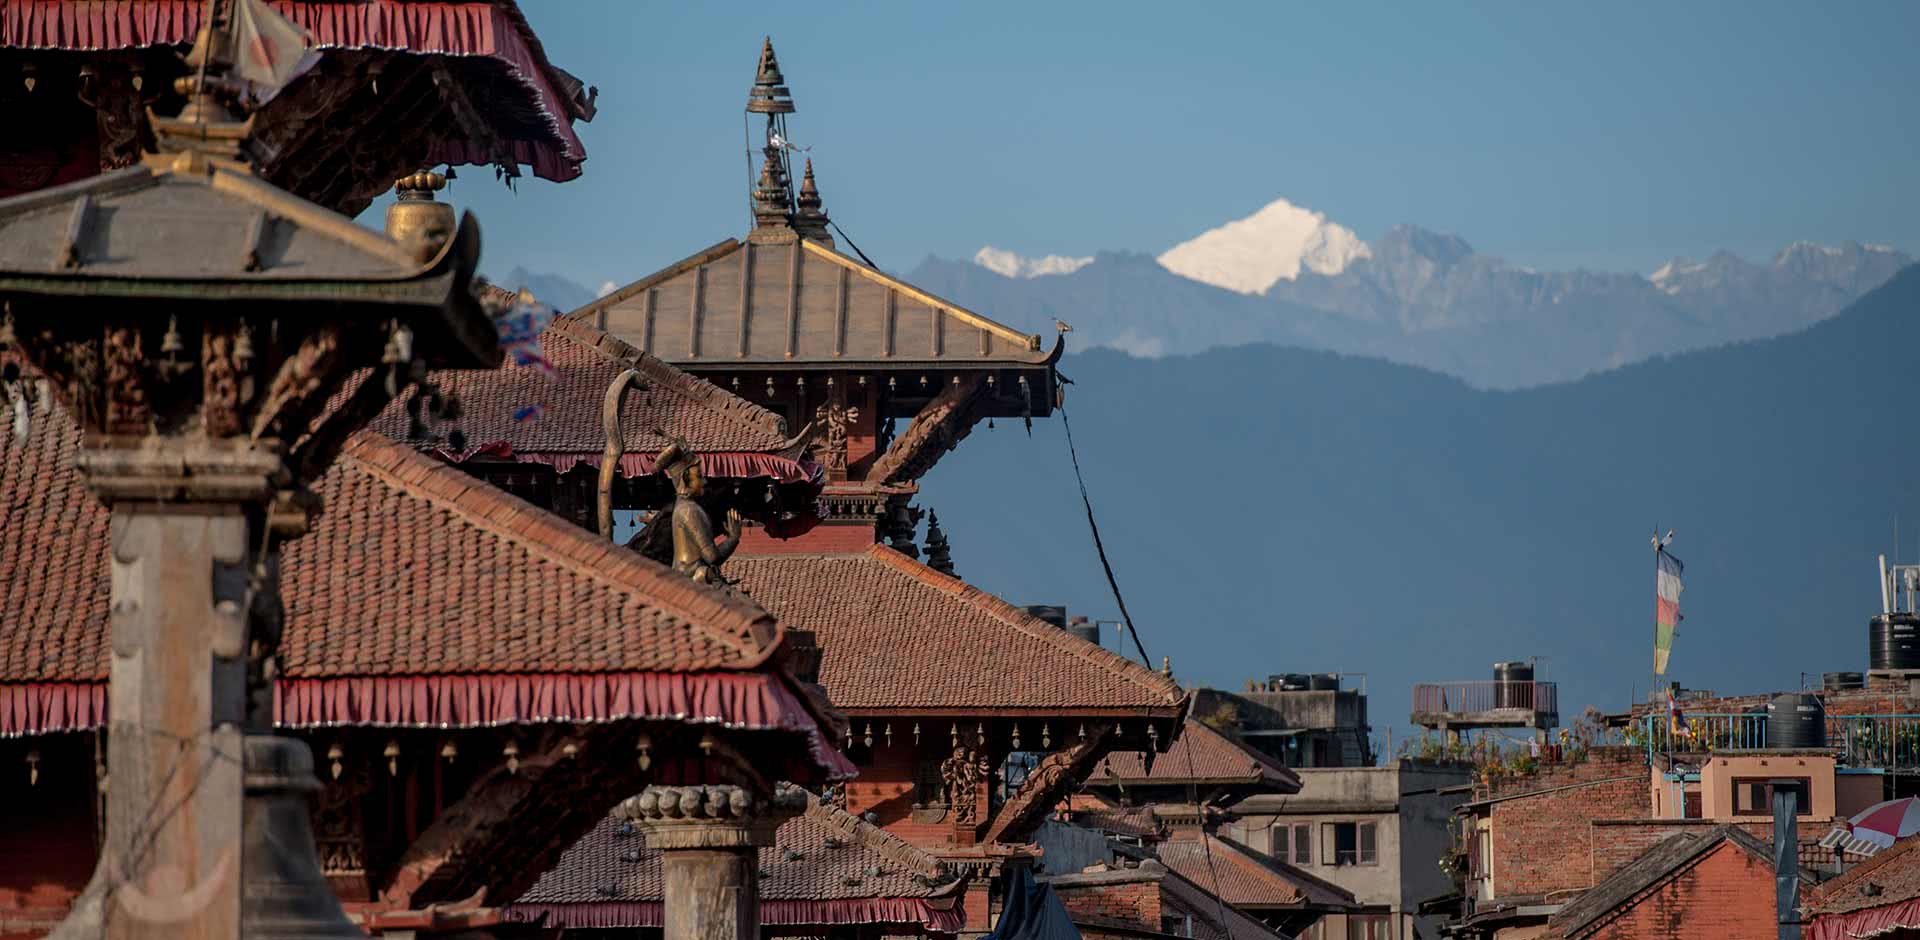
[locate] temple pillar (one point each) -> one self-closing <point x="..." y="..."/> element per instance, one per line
<point x="709" y="838"/>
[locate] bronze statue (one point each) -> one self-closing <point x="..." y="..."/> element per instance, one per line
<point x="696" y="553"/>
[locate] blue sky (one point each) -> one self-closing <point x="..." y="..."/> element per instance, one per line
<point x="1608" y="136"/>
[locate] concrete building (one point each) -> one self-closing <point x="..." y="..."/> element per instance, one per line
<point x="1302" y="720"/>
<point x="1377" y="832"/>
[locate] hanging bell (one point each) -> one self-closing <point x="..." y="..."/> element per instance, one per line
<point x="512" y="753"/>
<point x="1016" y="735"/>
<point x="769" y="386"/>
<point x="980" y="733"/>
<point x="569" y="750"/>
<point x="1083" y="732"/>
<point x="171" y="345"/>
<point x="334" y="754"/>
<point x="1153" y="737"/>
<point x="707" y="743"/>
<point x="1046" y="737"/>
<point x="867" y="739"/>
<point x="916" y="733"/>
<point x="33" y="766"/>
<point x="956" y="734"/>
<point x="7" y="337"/>
<point x="392" y="753"/>
<point x="645" y="747"/>
<point x="243" y="345"/>
<point x="399" y="349"/>
<point x="449" y="751"/>
<point x="887" y="730"/>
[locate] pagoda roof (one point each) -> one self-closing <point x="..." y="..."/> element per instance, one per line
<point x="1199" y="755"/>
<point x="422" y="597"/>
<point x="826" y="867"/>
<point x="527" y="104"/>
<point x="901" y="638"/>
<point x="1246" y="880"/>
<point x="795" y="303"/>
<point x="183" y="227"/>
<point x="734" y="437"/>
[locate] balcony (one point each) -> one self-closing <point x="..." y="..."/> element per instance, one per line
<point x="1887" y="742"/>
<point x="1449" y="706"/>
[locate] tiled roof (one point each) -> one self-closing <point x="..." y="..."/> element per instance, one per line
<point x="1629" y="884"/>
<point x="1199" y="754"/>
<point x="1894" y="873"/>
<point x="1244" y="879"/>
<point x="1081" y="893"/>
<point x="1136" y="821"/>
<point x="799" y="303"/>
<point x="898" y="634"/>
<point x="585" y="362"/>
<point x="613" y="865"/>
<point x="412" y="568"/>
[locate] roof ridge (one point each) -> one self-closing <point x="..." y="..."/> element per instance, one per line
<point x="707" y="255"/>
<point x="1029" y="624"/>
<point x="875" y="838"/>
<point x="1030" y="340"/>
<point x="1259" y="757"/>
<point x="668" y="375"/>
<point x="1278" y="866"/>
<point x="1648" y="871"/>
<point x="484" y="506"/>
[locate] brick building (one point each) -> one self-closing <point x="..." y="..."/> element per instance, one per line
<point x="1146" y="899"/>
<point x="1715" y="883"/>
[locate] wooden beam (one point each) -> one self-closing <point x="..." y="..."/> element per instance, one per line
<point x="746" y="297"/>
<point x="693" y="312"/>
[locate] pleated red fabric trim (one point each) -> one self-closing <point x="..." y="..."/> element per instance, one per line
<point x="627" y="914"/>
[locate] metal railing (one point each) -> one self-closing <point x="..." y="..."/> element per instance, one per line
<point x="1882" y="741"/>
<point x="1484" y="696"/>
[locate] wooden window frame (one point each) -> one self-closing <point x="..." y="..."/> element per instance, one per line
<point x="1804" y="805"/>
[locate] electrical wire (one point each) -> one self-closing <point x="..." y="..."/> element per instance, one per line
<point x="1099" y="546"/>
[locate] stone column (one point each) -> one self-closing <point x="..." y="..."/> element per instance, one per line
<point x="709" y="839"/>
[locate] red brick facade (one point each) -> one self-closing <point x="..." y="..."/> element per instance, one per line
<point x="1727" y="893"/>
<point x="1541" y="837"/>
<point x="1137" y="903"/>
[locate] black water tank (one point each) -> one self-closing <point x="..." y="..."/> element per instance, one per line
<point x="1051" y="613"/>
<point x="1293" y="682"/>
<point x="1842" y="681"/>
<point x="1324" y="682"/>
<point x="1510" y="694"/>
<point x="1084" y="629"/>
<point x="1893" y="641"/>
<point x="1796" y="719"/>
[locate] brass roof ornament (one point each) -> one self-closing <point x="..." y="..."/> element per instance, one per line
<point x="769" y="93"/>
<point x="418" y="221"/>
<point x="810" y="216"/>
<point x="772" y="196"/>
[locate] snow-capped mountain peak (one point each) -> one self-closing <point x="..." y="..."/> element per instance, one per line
<point x="1250" y="255"/>
<point x="1008" y="264"/>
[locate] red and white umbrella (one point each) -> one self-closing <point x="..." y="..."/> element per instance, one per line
<point x="1884" y="823"/>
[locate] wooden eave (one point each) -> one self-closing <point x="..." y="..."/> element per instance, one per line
<point x="799" y="305"/>
<point x="381" y="273"/>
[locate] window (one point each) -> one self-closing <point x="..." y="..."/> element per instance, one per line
<point x="1346" y="843"/>
<point x="1369" y="927"/>
<point x="1753" y="796"/>
<point x="1302" y="844"/>
<point x="1280" y="842"/>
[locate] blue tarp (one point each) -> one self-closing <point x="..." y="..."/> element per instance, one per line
<point x="1032" y="912"/>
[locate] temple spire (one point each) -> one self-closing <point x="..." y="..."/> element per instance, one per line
<point x="810" y="217"/>
<point x="939" y="553"/>
<point x="769" y="94"/>
<point x="772" y="198"/>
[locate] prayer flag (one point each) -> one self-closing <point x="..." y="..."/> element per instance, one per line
<point x="1666" y="607"/>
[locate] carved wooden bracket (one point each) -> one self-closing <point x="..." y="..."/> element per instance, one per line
<point x="1048" y="783"/>
<point x="938" y="428"/>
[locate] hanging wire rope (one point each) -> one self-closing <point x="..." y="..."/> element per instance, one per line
<point x="1100" y="547"/>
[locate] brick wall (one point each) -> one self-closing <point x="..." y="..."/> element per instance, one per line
<point x="827" y="538"/>
<point x="1728" y="893"/>
<point x="1615" y="842"/>
<point x="1133" y="902"/>
<point x="885" y="787"/>
<point x="1540" y="842"/>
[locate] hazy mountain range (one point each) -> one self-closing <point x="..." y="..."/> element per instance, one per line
<point x="1289" y="276"/>
<point x="1274" y="509"/>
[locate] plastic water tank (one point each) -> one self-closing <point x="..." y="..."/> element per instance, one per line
<point x="1796" y="720"/>
<point x="1893" y="641"/>
<point x="1842" y="681"/>
<point x="1516" y="684"/>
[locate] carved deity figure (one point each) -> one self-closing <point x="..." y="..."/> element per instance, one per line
<point x="696" y="553"/>
<point x="962" y="774"/>
<point x="833" y="419"/>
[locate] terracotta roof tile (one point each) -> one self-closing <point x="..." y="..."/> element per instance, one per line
<point x="1894" y="873"/>
<point x="1200" y="754"/>
<point x="897" y="634"/>
<point x="615" y="856"/>
<point x="1244" y="879"/>
<point x="585" y="362"/>
<point x="1096" y="900"/>
<point x="411" y="569"/>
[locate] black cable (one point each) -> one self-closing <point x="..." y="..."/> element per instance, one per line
<point x="850" y="244"/>
<point x="1099" y="546"/>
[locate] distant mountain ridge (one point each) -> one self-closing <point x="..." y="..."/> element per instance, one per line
<point x="1271" y="509"/>
<point x="1287" y="275"/>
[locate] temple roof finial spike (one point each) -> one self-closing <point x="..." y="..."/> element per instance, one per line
<point x="769" y="93"/>
<point x="772" y="197"/>
<point x="810" y="217"/>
